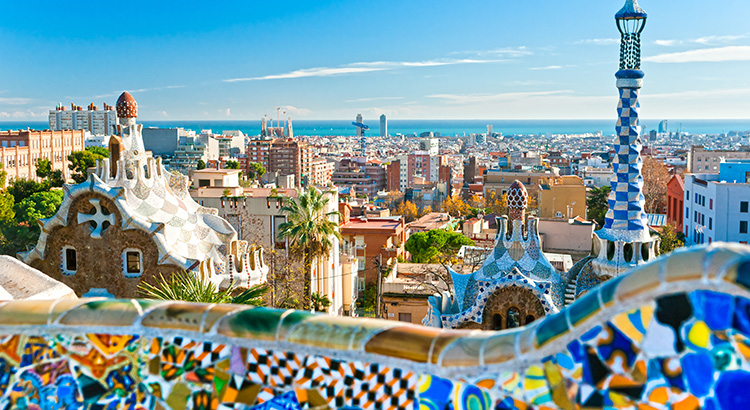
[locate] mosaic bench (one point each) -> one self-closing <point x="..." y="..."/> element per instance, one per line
<point x="670" y="334"/>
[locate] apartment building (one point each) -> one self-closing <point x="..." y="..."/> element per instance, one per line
<point x="92" y="119"/>
<point x="706" y="161"/>
<point x="364" y="177"/>
<point x="717" y="206"/>
<point x="20" y="150"/>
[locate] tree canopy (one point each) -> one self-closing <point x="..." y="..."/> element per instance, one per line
<point x="80" y="161"/>
<point x="436" y="246"/>
<point x="455" y="206"/>
<point x="231" y="164"/>
<point x="597" y="204"/>
<point x="201" y="164"/>
<point x="408" y="210"/>
<point x="256" y="170"/>
<point x="671" y="239"/>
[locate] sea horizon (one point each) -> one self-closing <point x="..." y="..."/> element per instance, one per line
<point x="444" y="127"/>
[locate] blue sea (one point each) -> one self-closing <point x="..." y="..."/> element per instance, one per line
<point x="444" y="127"/>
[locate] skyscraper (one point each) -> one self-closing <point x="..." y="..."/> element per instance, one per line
<point x="383" y="126"/>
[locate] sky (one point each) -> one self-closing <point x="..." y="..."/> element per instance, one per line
<point x="491" y="59"/>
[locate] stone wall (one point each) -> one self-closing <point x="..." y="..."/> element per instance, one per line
<point x="99" y="261"/>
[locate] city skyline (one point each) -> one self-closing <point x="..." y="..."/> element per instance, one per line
<point x="407" y="61"/>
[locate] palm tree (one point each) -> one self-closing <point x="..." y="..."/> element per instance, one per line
<point x="309" y="228"/>
<point x="195" y="287"/>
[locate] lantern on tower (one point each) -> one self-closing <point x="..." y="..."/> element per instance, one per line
<point x="631" y="19"/>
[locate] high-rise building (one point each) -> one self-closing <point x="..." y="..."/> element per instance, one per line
<point x="365" y="178"/>
<point x="663" y="127"/>
<point x="291" y="157"/>
<point x="93" y="120"/>
<point x="431" y="145"/>
<point x="489" y="130"/>
<point x="360" y="132"/>
<point x="383" y="126"/>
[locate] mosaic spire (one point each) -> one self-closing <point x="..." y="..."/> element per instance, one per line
<point x="625" y="219"/>
<point x="518" y="201"/>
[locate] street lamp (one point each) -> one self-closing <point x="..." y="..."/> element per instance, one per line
<point x="631" y="19"/>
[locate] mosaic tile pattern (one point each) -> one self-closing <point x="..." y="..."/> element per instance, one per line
<point x="627" y="344"/>
<point x="516" y="262"/>
<point x="151" y="199"/>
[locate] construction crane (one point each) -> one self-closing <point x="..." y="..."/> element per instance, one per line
<point x="361" y="128"/>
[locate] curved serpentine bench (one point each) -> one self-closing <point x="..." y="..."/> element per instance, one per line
<point x="670" y="334"/>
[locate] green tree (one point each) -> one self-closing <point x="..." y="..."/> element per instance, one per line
<point x="597" y="205"/>
<point x="671" y="239"/>
<point x="194" y="287"/>
<point x="310" y="229"/>
<point x="23" y="188"/>
<point x="43" y="168"/>
<point x="22" y="231"/>
<point x="201" y="164"/>
<point x="233" y="164"/>
<point x="81" y="161"/>
<point x="100" y="151"/>
<point x="256" y="170"/>
<point x="55" y="179"/>
<point x="435" y="246"/>
<point x="3" y="176"/>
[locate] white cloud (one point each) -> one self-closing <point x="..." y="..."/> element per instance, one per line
<point x="720" y="54"/>
<point x="15" y="100"/>
<point x="506" y="52"/>
<point x="21" y="114"/>
<point x="718" y="39"/>
<point x="360" y="67"/>
<point x="227" y="112"/>
<point x="292" y="110"/>
<point x="599" y="41"/>
<point x="479" y="98"/>
<point x="308" y="72"/>
<point x="705" y="40"/>
<point x="163" y="113"/>
<point x="117" y="93"/>
<point x="701" y="94"/>
<point x="666" y="43"/>
<point x="549" y="67"/>
<point x="374" y="99"/>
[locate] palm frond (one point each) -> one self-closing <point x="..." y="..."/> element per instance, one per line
<point x="196" y="287"/>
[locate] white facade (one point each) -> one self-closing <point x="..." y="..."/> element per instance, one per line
<point x="95" y="121"/>
<point x="717" y="206"/>
<point x="596" y="177"/>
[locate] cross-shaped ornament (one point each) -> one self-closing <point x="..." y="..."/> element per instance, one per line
<point x="98" y="218"/>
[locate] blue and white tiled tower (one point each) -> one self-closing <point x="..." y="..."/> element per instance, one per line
<point x="625" y="241"/>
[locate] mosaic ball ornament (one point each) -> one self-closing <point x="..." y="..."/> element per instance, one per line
<point x="126" y="106"/>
